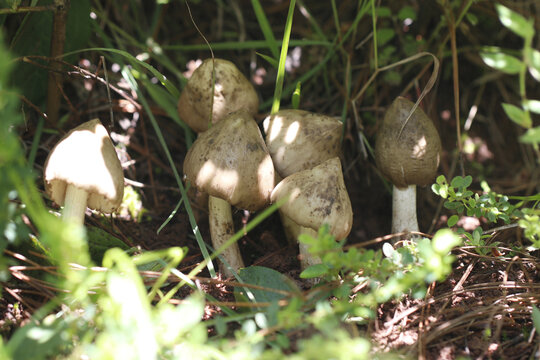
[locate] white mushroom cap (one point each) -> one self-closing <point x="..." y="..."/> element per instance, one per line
<point x="317" y="196"/>
<point x="299" y="140"/>
<point x="232" y="92"/>
<point x="85" y="158"/>
<point x="230" y="161"/>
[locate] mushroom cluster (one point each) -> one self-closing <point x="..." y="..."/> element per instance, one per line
<point x="228" y="161"/>
<point x="305" y="147"/>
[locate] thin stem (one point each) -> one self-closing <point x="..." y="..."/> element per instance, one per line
<point x="221" y="230"/>
<point x="74" y="205"/>
<point x="404" y="209"/>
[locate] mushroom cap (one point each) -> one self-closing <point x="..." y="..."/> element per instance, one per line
<point x="85" y="157"/>
<point x="317" y="196"/>
<point x="230" y="161"/>
<point x="411" y="158"/>
<point x="232" y="92"/>
<point x="299" y="140"/>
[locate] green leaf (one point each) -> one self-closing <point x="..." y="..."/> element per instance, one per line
<point x="267" y="278"/>
<point x="502" y="62"/>
<point x="383" y="11"/>
<point x="517" y="115"/>
<point x="532" y="136"/>
<point x="384" y="35"/>
<point x="314" y="271"/>
<point x="407" y="12"/>
<point x="273" y="62"/>
<point x="452" y="220"/>
<point x="515" y="22"/>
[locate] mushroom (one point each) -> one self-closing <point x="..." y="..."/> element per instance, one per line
<point x="407" y="153"/>
<point x="317" y="196"/>
<point x="230" y="162"/>
<point x="232" y="92"/>
<point x="83" y="170"/>
<point x="299" y="140"/>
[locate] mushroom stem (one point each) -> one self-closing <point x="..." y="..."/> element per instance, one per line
<point x="306" y="258"/>
<point x="221" y="229"/>
<point x="74" y="205"/>
<point x="404" y="209"/>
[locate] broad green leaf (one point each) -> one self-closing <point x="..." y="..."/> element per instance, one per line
<point x="532" y="136"/>
<point x="517" y="115"/>
<point x="532" y="106"/>
<point x="266" y="278"/>
<point x="515" y="22"/>
<point x="502" y="62"/>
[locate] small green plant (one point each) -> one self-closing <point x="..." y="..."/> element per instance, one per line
<point x="501" y="60"/>
<point x="488" y="205"/>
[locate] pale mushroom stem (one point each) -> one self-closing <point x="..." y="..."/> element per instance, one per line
<point x="404" y="209"/>
<point x="221" y="230"/>
<point x="306" y="258"/>
<point x="74" y="205"/>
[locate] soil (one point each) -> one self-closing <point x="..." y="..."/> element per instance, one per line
<point x="481" y="311"/>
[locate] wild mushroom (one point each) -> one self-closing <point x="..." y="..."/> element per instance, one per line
<point x="299" y="140"/>
<point x="83" y="170"/>
<point x="230" y="162"/>
<point x="317" y="196"/>
<point x="407" y="153"/>
<point x="232" y="92"/>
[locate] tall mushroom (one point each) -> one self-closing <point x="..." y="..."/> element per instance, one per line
<point x="83" y="170"/>
<point x="317" y="196"/>
<point x="232" y="92"/>
<point x="230" y="163"/>
<point x="407" y="153"/>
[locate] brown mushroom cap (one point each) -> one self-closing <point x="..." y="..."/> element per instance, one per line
<point x="232" y="92"/>
<point x="85" y="157"/>
<point x="317" y="196"/>
<point x="411" y="158"/>
<point x="299" y="140"/>
<point x="230" y="161"/>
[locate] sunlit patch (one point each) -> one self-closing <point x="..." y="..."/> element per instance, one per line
<point x="272" y="127"/>
<point x="292" y="131"/>
<point x="419" y="150"/>
<point x="224" y="178"/>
